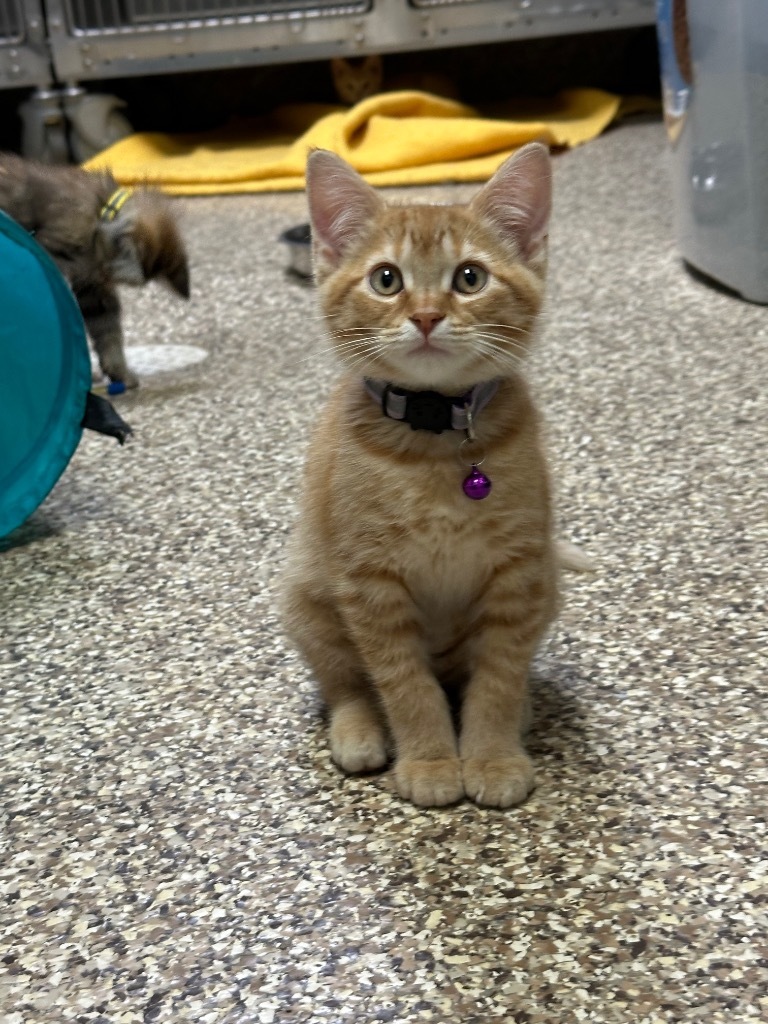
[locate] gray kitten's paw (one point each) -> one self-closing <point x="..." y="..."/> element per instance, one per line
<point x="119" y="372"/>
<point x="430" y="783"/>
<point x="501" y="782"/>
<point x="130" y="379"/>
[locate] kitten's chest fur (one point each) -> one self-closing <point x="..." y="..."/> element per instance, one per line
<point x="433" y="534"/>
<point x="445" y="560"/>
<point x="395" y="507"/>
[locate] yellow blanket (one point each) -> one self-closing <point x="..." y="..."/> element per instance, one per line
<point x="396" y="138"/>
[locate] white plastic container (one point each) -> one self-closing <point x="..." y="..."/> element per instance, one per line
<point x="715" y="85"/>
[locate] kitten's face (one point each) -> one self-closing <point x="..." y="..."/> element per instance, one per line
<point x="356" y="79"/>
<point x="431" y="297"/>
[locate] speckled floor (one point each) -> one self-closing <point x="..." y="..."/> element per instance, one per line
<point x="177" y="845"/>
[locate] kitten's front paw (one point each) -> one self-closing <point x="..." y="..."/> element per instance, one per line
<point x="120" y="374"/>
<point x="502" y="782"/>
<point x="430" y="783"/>
<point x="357" y="743"/>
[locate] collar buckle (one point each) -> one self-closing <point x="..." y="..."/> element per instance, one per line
<point x="427" y="410"/>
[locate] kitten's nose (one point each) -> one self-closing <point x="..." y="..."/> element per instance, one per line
<point x="426" y="320"/>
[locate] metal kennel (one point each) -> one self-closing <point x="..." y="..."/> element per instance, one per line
<point x="54" y="46"/>
<point x="23" y="49"/>
<point x="111" y="38"/>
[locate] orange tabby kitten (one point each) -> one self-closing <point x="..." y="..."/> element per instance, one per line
<point x="422" y="564"/>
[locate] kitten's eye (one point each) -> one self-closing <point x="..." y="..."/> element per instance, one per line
<point x="469" y="278"/>
<point x="386" y="280"/>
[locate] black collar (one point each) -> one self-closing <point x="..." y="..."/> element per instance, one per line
<point x="431" y="410"/>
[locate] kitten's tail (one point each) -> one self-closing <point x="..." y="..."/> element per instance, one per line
<point x="573" y="558"/>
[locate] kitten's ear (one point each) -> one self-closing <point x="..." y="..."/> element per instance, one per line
<point x="341" y="204"/>
<point x="518" y="198"/>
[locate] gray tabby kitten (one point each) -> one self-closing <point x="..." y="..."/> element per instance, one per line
<point x="100" y="236"/>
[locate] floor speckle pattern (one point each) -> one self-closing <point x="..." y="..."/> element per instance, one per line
<point x="176" y="845"/>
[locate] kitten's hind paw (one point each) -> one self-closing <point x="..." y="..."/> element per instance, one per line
<point x="502" y="782"/>
<point x="430" y="783"/>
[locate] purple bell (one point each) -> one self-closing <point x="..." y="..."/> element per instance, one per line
<point x="477" y="485"/>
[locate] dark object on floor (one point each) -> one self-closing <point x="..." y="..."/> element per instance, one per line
<point x="299" y="242"/>
<point x="101" y="416"/>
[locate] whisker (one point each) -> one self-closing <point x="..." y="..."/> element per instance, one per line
<point x="353" y="330"/>
<point x="513" y="327"/>
<point x="500" y="355"/>
<point x="485" y="329"/>
<point x="493" y="344"/>
<point x="363" y="359"/>
<point x="507" y="327"/>
<point x="365" y="347"/>
<point x="349" y="346"/>
<point x="502" y="343"/>
<point x="489" y="341"/>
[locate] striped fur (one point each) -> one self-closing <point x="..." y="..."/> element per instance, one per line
<point x="399" y="590"/>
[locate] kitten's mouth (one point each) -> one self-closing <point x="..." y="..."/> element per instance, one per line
<point x="427" y="348"/>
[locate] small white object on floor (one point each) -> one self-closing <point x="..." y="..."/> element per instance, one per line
<point x="148" y="360"/>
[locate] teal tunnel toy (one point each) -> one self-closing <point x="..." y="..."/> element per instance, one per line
<point x="45" y="377"/>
